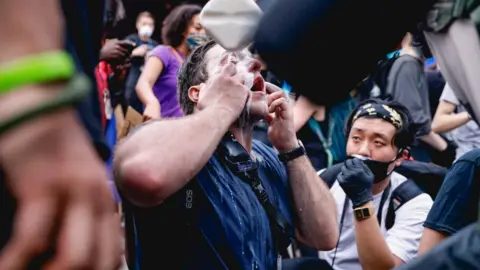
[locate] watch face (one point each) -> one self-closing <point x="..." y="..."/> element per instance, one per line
<point x="362" y="213"/>
<point x="358" y="214"/>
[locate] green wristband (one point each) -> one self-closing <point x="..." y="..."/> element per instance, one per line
<point x="40" y="68"/>
<point x="78" y="87"/>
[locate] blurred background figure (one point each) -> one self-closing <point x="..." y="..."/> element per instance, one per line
<point x="145" y="25"/>
<point x="452" y="118"/>
<point x="157" y="85"/>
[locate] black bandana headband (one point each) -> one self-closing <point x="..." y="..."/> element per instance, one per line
<point x="374" y="110"/>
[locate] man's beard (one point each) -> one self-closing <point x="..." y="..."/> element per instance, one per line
<point x="246" y="118"/>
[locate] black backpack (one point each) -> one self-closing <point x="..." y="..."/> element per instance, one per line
<point x="380" y="75"/>
<point x="422" y="178"/>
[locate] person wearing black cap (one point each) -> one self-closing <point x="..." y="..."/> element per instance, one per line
<point x="378" y="136"/>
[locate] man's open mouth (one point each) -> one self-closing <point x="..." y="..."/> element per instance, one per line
<point x="258" y="84"/>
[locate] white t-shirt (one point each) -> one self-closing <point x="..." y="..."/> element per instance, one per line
<point x="466" y="136"/>
<point x="402" y="239"/>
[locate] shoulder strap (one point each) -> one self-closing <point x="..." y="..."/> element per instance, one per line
<point x="401" y="195"/>
<point x="239" y="161"/>
<point x="177" y="55"/>
<point x="329" y="175"/>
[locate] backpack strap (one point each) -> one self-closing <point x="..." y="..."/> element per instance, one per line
<point x="401" y="195"/>
<point x="329" y="175"/>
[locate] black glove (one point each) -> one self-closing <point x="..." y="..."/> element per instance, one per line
<point x="356" y="180"/>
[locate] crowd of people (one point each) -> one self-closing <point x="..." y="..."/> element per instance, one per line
<point x="190" y="156"/>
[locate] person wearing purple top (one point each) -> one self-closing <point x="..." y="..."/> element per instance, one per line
<point x="157" y="85"/>
<point x="165" y="87"/>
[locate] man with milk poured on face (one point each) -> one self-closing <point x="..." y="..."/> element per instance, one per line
<point x="377" y="230"/>
<point x="200" y="188"/>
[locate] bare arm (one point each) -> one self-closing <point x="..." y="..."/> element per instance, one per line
<point x="154" y="163"/>
<point x="302" y="111"/>
<point x="446" y="120"/>
<point x="48" y="154"/>
<point x="373" y="251"/>
<point x="430" y="239"/>
<point x="29" y="38"/>
<point x="152" y="70"/>
<point x="314" y="204"/>
<point x="435" y="141"/>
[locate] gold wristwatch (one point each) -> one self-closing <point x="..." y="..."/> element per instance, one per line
<point x="363" y="212"/>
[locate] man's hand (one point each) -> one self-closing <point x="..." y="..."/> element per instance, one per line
<point x="115" y="51"/>
<point x="63" y="200"/>
<point x="356" y="180"/>
<point x="281" y="131"/>
<point x="140" y="51"/>
<point x="225" y="90"/>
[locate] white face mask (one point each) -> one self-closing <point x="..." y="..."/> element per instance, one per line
<point x="145" y="31"/>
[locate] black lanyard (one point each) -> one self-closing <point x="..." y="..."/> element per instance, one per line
<point x="385" y="194"/>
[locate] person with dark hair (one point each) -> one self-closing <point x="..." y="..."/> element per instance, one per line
<point x="407" y="85"/>
<point x="143" y="45"/>
<point x="157" y="85"/>
<point x="379" y="134"/>
<point x="209" y="193"/>
<point x="452" y="117"/>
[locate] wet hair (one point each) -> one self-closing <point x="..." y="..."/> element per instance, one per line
<point x="145" y="14"/>
<point x="177" y="21"/>
<point x="192" y="72"/>
<point x="404" y="136"/>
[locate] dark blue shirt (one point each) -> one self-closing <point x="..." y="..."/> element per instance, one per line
<point x="230" y="228"/>
<point x="458" y="252"/>
<point x="456" y="204"/>
<point x="84" y="29"/>
<point x="135" y="72"/>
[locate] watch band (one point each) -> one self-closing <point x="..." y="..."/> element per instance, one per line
<point x="35" y="69"/>
<point x="362" y="213"/>
<point x="291" y="155"/>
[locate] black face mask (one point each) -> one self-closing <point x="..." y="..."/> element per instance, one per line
<point x="378" y="168"/>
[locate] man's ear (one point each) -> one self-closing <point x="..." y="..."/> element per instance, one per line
<point x="194" y="93"/>
<point x="404" y="155"/>
<point x="399" y="161"/>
